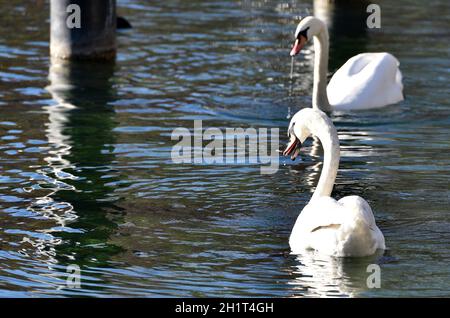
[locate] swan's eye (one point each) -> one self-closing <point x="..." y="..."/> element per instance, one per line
<point x="303" y="33"/>
<point x="291" y="130"/>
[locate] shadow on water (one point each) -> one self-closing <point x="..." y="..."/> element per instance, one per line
<point x="80" y="129"/>
<point x="346" y="21"/>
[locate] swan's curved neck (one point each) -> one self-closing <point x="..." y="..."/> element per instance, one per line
<point x="327" y="134"/>
<point x="321" y="46"/>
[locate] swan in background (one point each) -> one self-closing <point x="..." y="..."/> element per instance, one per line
<point x="367" y="80"/>
<point x="337" y="228"/>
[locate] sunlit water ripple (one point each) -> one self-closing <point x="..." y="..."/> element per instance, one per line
<point x="86" y="176"/>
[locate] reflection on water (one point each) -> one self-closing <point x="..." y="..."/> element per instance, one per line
<point x="343" y="18"/>
<point x="323" y="276"/>
<point x="86" y="176"/>
<point x="346" y="21"/>
<point x="80" y="131"/>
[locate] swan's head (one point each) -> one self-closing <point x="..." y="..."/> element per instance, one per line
<point x="298" y="132"/>
<point x="300" y="129"/>
<point x="307" y="28"/>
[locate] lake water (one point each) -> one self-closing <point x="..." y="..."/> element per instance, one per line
<point x="86" y="176"/>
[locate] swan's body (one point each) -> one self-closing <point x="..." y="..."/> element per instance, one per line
<point x="367" y="80"/>
<point x="339" y="228"/>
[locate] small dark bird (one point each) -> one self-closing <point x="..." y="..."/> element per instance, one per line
<point x="123" y="23"/>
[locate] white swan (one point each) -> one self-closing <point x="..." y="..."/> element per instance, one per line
<point x="367" y="80"/>
<point x="338" y="228"/>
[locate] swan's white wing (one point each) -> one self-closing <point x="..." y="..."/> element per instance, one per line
<point x="360" y="234"/>
<point x="357" y="207"/>
<point x="320" y="212"/>
<point x="316" y="226"/>
<point x="367" y="80"/>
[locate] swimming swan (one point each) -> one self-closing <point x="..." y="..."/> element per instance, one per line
<point x="338" y="228"/>
<point x="367" y="80"/>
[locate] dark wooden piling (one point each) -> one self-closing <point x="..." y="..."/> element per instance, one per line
<point x="83" y="29"/>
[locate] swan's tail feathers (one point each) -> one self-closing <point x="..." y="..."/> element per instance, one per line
<point x="394" y="93"/>
<point x="399" y="82"/>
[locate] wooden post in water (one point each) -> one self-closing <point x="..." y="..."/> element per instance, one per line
<point x="83" y="29"/>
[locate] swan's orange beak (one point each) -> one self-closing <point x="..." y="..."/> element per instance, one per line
<point x="293" y="147"/>
<point x="298" y="45"/>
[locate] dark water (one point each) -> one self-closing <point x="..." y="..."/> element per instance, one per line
<point x="86" y="176"/>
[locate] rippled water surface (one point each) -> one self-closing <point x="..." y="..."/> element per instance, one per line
<point x="86" y="176"/>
